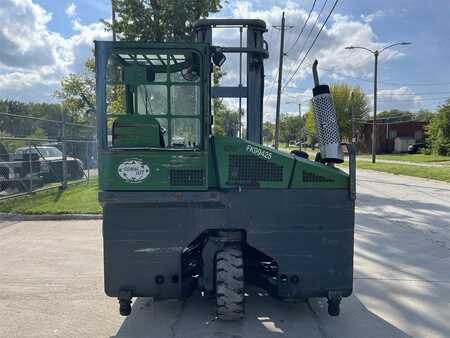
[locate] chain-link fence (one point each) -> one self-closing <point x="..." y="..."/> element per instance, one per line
<point x="39" y="153"/>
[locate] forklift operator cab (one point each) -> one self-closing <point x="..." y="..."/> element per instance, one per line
<point x="159" y="95"/>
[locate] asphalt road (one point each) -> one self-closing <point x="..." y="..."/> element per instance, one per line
<point x="51" y="279"/>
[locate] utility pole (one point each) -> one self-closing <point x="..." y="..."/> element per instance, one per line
<point x="300" y="110"/>
<point x="280" y="78"/>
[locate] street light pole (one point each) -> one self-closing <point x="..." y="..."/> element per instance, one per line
<point x="352" y="113"/>
<point x="375" y="85"/>
<point x="376" y="54"/>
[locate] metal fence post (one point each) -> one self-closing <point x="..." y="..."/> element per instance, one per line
<point x="64" y="151"/>
<point x="30" y="168"/>
<point x="87" y="160"/>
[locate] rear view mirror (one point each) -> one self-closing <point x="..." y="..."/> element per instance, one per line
<point x="192" y="71"/>
<point x="219" y="58"/>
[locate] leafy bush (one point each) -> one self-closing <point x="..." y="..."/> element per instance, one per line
<point x="438" y="131"/>
<point x="426" y="151"/>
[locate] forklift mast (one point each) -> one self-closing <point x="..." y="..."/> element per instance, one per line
<point x="256" y="49"/>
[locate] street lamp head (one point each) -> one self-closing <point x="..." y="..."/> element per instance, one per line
<point x="405" y="43"/>
<point x="350" y="47"/>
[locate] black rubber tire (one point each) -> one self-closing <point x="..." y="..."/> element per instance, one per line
<point x="333" y="309"/>
<point x="230" y="284"/>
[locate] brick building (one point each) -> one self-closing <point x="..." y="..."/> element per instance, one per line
<point x="391" y="136"/>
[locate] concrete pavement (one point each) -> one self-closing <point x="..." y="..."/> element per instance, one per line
<point x="51" y="279"/>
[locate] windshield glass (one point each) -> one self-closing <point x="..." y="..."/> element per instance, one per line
<point x="41" y="151"/>
<point x="164" y="86"/>
<point x="50" y="152"/>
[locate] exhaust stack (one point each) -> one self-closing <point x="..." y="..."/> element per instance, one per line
<point x="326" y="121"/>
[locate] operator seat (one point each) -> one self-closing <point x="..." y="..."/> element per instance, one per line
<point x="137" y="131"/>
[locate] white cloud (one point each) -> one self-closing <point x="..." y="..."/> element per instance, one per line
<point x="71" y="10"/>
<point x="372" y="16"/>
<point x="33" y="59"/>
<point x="339" y="63"/>
<point x="402" y="98"/>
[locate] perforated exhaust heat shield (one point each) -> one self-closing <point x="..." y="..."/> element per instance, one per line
<point x="326" y="122"/>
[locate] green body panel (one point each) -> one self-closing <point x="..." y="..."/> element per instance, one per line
<point x="244" y="163"/>
<point x="136" y="131"/>
<point x="309" y="174"/>
<point x="167" y="170"/>
<point x="233" y="163"/>
<point x="259" y="167"/>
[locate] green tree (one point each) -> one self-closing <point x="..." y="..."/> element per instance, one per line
<point x="268" y="132"/>
<point x="226" y="122"/>
<point x="347" y="99"/>
<point x="438" y="131"/>
<point x="291" y="128"/>
<point x="39" y="134"/>
<point x="394" y="113"/>
<point x="137" y="20"/>
<point x="8" y="146"/>
<point x="21" y="127"/>
<point x="159" y="20"/>
<point x="401" y="115"/>
<point x="310" y="126"/>
<point x="424" y="115"/>
<point x="78" y="92"/>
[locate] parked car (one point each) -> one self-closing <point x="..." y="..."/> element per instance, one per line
<point x="50" y="161"/>
<point x="16" y="175"/>
<point x="414" y="148"/>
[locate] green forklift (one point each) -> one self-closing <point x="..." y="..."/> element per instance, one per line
<point x="185" y="210"/>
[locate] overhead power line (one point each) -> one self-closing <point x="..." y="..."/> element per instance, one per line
<point x="302" y="48"/>
<point x="303" y="27"/>
<point x="312" y="44"/>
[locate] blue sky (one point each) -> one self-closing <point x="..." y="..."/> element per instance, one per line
<point x="45" y="40"/>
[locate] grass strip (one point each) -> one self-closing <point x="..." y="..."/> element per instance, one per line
<point x="80" y="198"/>
<point x="434" y="173"/>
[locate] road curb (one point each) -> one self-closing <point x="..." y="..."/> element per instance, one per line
<point x="48" y="217"/>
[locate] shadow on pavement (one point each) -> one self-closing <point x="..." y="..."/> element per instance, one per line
<point x="265" y="317"/>
<point x="402" y="256"/>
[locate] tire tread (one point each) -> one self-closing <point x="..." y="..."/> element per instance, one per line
<point x="230" y="284"/>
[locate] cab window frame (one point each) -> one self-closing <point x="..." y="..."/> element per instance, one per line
<point x="171" y="83"/>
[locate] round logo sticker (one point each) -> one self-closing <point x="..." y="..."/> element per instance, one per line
<point x="133" y="170"/>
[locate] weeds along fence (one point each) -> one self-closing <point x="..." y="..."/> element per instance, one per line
<point x="39" y="153"/>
